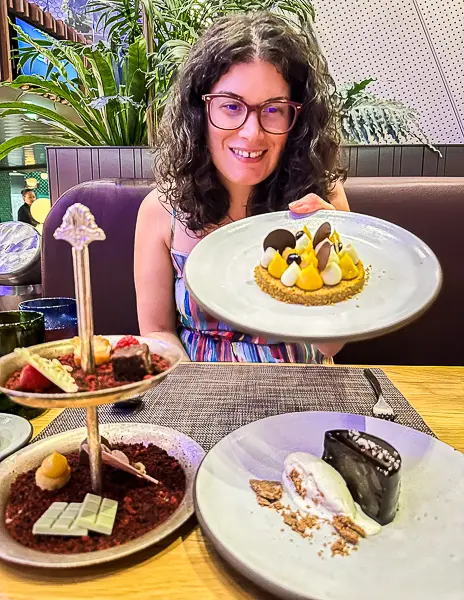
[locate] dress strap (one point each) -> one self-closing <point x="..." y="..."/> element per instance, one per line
<point x="173" y="226"/>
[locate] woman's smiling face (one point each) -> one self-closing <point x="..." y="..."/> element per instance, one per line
<point x="254" y="83"/>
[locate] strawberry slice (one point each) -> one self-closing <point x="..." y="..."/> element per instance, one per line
<point x="30" y="380"/>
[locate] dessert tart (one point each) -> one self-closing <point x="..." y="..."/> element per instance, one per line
<point x="312" y="270"/>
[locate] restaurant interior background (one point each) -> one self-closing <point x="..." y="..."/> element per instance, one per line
<point x="412" y="50"/>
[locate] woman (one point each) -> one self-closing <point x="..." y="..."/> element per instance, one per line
<point x="250" y="129"/>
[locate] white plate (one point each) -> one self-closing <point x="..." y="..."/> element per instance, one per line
<point x="419" y="556"/>
<point x="15" y="432"/>
<point x="177" y="444"/>
<point x="405" y="278"/>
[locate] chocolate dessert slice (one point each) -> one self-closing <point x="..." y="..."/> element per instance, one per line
<point x="371" y="468"/>
<point x="131" y="363"/>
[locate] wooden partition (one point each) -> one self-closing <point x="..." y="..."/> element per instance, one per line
<point x="404" y="161"/>
<point x="70" y="166"/>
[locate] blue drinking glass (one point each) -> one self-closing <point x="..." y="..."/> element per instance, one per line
<point x="60" y="316"/>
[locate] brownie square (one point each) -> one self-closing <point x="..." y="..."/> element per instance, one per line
<point x="131" y="363"/>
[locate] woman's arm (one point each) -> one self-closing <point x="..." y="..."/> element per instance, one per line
<point x="154" y="275"/>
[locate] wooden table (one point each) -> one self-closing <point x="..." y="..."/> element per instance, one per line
<point x="185" y="566"/>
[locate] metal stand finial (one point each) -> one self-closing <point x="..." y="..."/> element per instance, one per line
<point x="79" y="229"/>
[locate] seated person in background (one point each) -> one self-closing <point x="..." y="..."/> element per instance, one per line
<point x="250" y="128"/>
<point x="24" y="212"/>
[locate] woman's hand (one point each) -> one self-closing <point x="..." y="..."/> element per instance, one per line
<point x="309" y="204"/>
<point x="329" y="350"/>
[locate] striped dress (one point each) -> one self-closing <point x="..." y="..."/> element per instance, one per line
<point x="208" y="340"/>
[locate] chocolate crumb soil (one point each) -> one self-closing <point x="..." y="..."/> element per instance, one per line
<point x="142" y="505"/>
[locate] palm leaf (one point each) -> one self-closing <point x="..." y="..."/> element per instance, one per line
<point x="349" y="95"/>
<point x="135" y="68"/>
<point x="30" y="140"/>
<point x="135" y="80"/>
<point x="49" y="116"/>
<point x="119" y="19"/>
<point x="372" y="120"/>
<point x="174" y="52"/>
<point x="104" y="73"/>
<point x="42" y="49"/>
<point x="59" y="54"/>
<point x="38" y="85"/>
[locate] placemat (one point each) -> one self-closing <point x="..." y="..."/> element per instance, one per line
<point x="209" y="401"/>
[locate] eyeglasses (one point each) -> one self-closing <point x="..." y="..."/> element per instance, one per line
<point x="274" y="116"/>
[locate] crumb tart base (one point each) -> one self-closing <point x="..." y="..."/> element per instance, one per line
<point x="326" y="295"/>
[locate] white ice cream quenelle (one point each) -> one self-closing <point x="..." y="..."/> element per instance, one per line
<point x="267" y="256"/>
<point x="324" y="491"/>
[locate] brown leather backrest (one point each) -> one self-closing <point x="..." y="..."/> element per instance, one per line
<point x="432" y="209"/>
<point x="114" y="204"/>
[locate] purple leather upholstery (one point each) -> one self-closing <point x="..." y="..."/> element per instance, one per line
<point x="432" y="208"/>
<point x="114" y="204"/>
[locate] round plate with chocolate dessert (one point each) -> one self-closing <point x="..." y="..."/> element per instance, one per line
<point x="50" y="375"/>
<point x="330" y="276"/>
<point x="51" y="518"/>
<point x="325" y="506"/>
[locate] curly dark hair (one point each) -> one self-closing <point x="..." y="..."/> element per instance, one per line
<point x="184" y="169"/>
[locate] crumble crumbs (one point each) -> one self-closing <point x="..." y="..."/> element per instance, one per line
<point x="270" y="490"/>
<point x="269" y="493"/>
<point x="296" y="478"/>
<point x="348" y="530"/>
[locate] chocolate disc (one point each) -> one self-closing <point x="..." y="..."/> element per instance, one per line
<point x="323" y="232"/>
<point x="323" y="255"/>
<point x="279" y="239"/>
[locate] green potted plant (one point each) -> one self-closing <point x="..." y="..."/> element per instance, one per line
<point x="368" y="119"/>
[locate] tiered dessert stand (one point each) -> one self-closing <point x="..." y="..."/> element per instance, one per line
<point x="79" y="229"/>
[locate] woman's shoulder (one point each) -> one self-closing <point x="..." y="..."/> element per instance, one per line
<point x="156" y="202"/>
<point x="155" y="216"/>
<point x="156" y="206"/>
